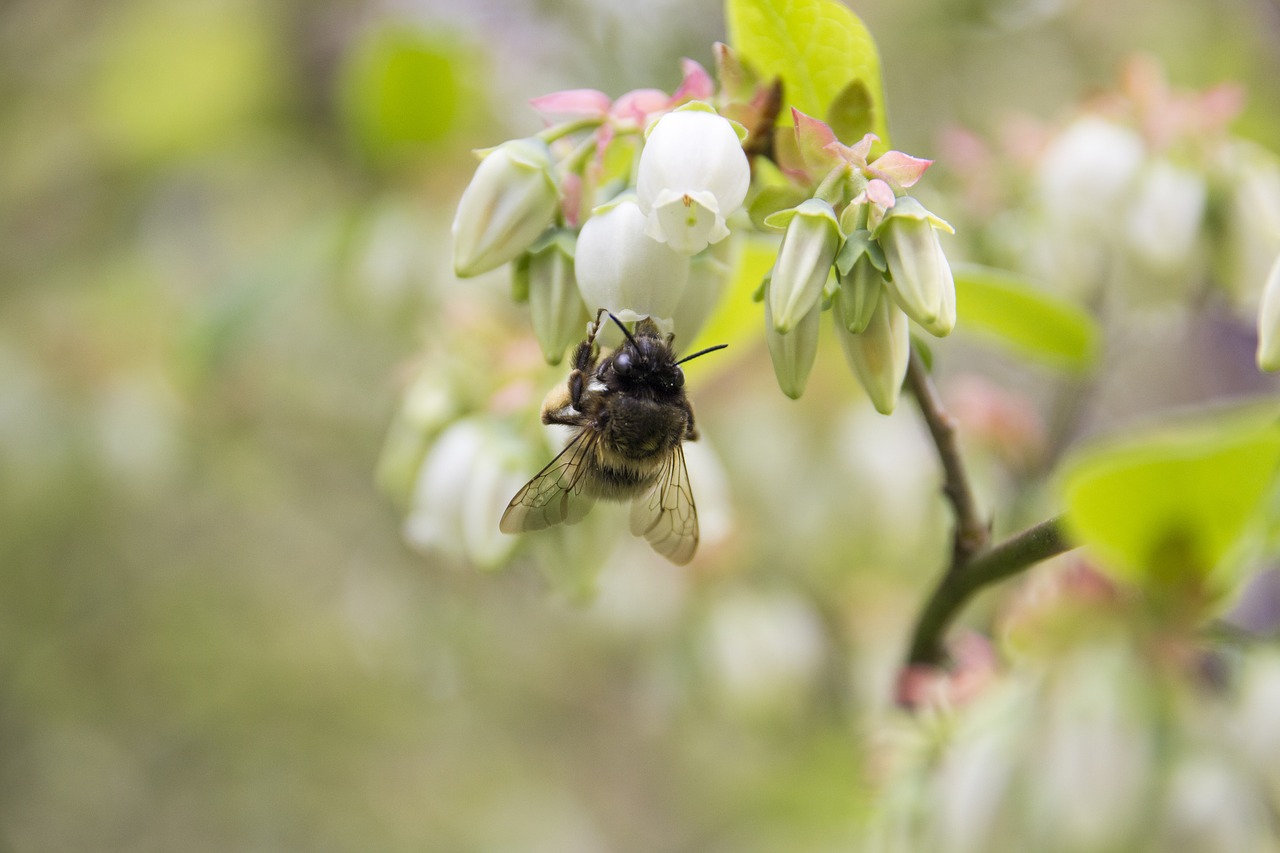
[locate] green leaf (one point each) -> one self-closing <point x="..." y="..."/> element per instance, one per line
<point x="1013" y="312"/>
<point x="1174" y="507"/>
<point x="827" y="60"/>
<point x="404" y="88"/>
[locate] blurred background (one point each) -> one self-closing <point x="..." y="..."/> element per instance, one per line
<point x="224" y="266"/>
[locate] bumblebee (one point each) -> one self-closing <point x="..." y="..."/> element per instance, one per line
<point x="632" y="419"/>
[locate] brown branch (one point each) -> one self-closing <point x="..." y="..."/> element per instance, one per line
<point x="1010" y="557"/>
<point x="972" y="532"/>
<point x="973" y="565"/>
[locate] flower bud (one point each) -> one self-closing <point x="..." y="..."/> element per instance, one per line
<point x="920" y="279"/>
<point x="1165" y="220"/>
<point x="463" y="486"/>
<point x="555" y="306"/>
<point x="946" y="320"/>
<point x="1269" y="322"/>
<point x="858" y="269"/>
<point x="879" y="354"/>
<point x="793" y="352"/>
<point x="510" y="201"/>
<point x="623" y="270"/>
<point x="808" y="249"/>
<point x="1086" y="172"/>
<point x="692" y="176"/>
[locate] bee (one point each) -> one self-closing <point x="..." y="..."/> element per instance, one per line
<point x="632" y="419"/>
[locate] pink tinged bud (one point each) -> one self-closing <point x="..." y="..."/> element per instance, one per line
<point x="879" y="354"/>
<point x="555" y="306"/>
<point x="510" y="201"/>
<point x="792" y="353"/>
<point x="1269" y="322"/>
<point x="697" y="84"/>
<point x="692" y="176"/>
<point x="804" y="261"/>
<point x="623" y="270"/>
<point x="901" y="170"/>
<point x="633" y="109"/>
<point x="816" y="143"/>
<point x="879" y="192"/>
<point x="571" y="104"/>
<point x="920" y="279"/>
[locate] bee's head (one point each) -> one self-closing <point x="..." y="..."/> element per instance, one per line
<point x="646" y="359"/>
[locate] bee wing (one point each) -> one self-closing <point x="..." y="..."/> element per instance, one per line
<point x="554" y="495"/>
<point x="666" y="515"/>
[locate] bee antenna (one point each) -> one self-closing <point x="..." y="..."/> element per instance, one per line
<point x="625" y="331"/>
<point x="701" y="352"/>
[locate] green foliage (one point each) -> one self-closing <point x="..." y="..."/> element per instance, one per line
<point x="827" y="60"/>
<point x="174" y="79"/>
<point x="1175" y="507"/>
<point x="403" y="88"/>
<point x="1012" y="312"/>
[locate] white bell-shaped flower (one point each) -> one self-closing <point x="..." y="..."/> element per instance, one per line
<point x="1166" y="217"/>
<point x="692" y="176"/>
<point x="463" y="486"/>
<point x="1269" y="322"/>
<point x="511" y="199"/>
<point x="623" y="270"/>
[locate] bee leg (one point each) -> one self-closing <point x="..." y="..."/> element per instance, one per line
<point x="584" y="362"/>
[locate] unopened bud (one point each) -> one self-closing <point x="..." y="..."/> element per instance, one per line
<point x="808" y="249"/>
<point x="555" y="306"/>
<point x="794" y="352"/>
<point x="879" y="354"/>
<point x="510" y="201"/>
<point x="920" y="278"/>
<point x="1269" y="322"/>
<point x="859" y="269"/>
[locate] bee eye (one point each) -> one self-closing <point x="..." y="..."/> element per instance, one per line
<point x="622" y="364"/>
<point x="678" y="379"/>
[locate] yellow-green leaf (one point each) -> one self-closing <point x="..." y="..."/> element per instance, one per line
<point x="1015" y="313"/>
<point x="1173" y="506"/>
<point x="827" y="60"/>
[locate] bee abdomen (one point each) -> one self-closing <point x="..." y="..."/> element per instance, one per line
<point x="620" y="483"/>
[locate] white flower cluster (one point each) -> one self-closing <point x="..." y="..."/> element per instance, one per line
<point x="648" y="238"/>
<point x="640" y="253"/>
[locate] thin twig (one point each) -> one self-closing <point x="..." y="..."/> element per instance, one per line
<point x="1015" y="554"/>
<point x="972" y="532"/>
<point x="973" y="564"/>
